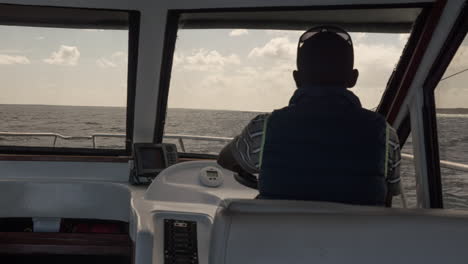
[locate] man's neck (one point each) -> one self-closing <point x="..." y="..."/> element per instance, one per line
<point x="316" y="92"/>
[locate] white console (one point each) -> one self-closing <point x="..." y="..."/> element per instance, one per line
<point x="197" y="182"/>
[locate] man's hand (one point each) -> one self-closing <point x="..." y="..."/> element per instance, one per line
<point x="226" y="158"/>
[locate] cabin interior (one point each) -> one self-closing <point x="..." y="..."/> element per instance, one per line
<point x="84" y="203"/>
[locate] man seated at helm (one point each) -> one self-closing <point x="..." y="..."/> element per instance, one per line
<point x="323" y="146"/>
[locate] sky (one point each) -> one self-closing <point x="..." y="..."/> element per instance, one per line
<point x="63" y="66"/>
<point x="251" y="70"/>
<point x="233" y="69"/>
<point x="453" y="91"/>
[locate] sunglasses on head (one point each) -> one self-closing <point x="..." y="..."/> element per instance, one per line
<point x="314" y="31"/>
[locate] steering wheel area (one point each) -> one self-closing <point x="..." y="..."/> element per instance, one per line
<point x="245" y="178"/>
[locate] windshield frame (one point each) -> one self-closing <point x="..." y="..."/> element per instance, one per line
<point x="447" y="53"/>
<point x="80" y="20"/>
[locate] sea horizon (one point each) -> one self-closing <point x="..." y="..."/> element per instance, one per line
<point x="454" y="110"/>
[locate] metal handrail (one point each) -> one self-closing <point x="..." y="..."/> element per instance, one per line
<point x="443" y="163"/>
<point x="180" y="137"/>
<point x="41" y="134"/>
<point x="204" y="138"/>
<point x="94" y="136"/>
<point x="57" y="135"/>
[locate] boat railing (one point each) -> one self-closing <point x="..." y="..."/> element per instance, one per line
<point x="406" y="156"/>
<point x="443" y="163"/>
<point x="181" y="137"/>
<point x="56" y="136"/>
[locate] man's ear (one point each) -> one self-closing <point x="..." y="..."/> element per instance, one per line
<point x="297" y="79"/>
<point x="353" y="78"/>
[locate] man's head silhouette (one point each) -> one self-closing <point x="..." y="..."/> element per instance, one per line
<point x="325" y="58"/>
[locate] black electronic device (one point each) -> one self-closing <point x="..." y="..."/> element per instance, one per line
<point x="150" y="159"/>
<point x="180" y="242"/>
<point x="172" y="156"/>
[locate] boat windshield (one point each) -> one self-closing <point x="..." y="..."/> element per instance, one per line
<point x="451" y="98"/>
<point x="63" y="88"/>
<point x="222" y="78"/>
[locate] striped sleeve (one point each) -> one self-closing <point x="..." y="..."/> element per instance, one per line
<point x="247" y="147"/>
<point x="393" y="162"/>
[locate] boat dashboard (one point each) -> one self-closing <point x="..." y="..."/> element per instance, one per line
<point x="202" y="182"/>
<point x="183" y="195"/>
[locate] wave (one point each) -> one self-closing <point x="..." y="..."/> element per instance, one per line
<point x="92" y="123"/>
<point x="453" y="115"/>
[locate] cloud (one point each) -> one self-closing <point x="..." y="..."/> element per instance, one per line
<point x="238" y="32"/>
<point x="93" y="30"/>
<point x="403" y="38"/>
<point x="276" y="48"/>
<point x="452" y="91"/>
<point x="66" y="55"/>
<point x="264" y="82"/>
<point x="458" y="62"/>
<point x="375" y="63"/>
<point x="105" y="63"/>
<point x="177" y="59"/>
<point x="358" y="37"/>
<point x="248" y="70"/>
<point x="14" y="51"/>
<point x="13" y="59"/>
<point x="120" y="56"/>
<point x="117" y="59"/>
<point x="39" y="38"/>
<point x="247" y="88"/>
<point x="275" y="32"/>
<point x="377" y="56"/>
<point x="204" y="60"/>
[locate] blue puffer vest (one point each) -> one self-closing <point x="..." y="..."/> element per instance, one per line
<point x="324" y="147"/>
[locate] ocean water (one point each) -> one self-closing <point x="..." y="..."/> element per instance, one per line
<point x="64" y="120"/>
<point x="85" y="121"/>
<point x="453" y="146"/>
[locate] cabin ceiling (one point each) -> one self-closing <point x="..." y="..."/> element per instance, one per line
<point x="393" y="20"/>
<point x="19" y="15"/>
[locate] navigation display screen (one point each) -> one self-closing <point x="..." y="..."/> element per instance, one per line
<point x="152" y="158"/>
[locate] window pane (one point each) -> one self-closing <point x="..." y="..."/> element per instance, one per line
<point x="66" y="82"/>
<point x="222" y="78"/>
<point x="408" y="177"/>
<point x="452" y="120"/>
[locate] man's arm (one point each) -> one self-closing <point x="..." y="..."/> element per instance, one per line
<point x="226" y="158"/>
<point x="393" y="162"/>
<point x="244" y="150"/>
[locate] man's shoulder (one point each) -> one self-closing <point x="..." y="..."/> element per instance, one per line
<point x="372" y="113"/>
<point x="261" y="117"/>
<point x="257" y="123"/>
<point x="246" y="147"/>
<point x="392" y="134"/>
